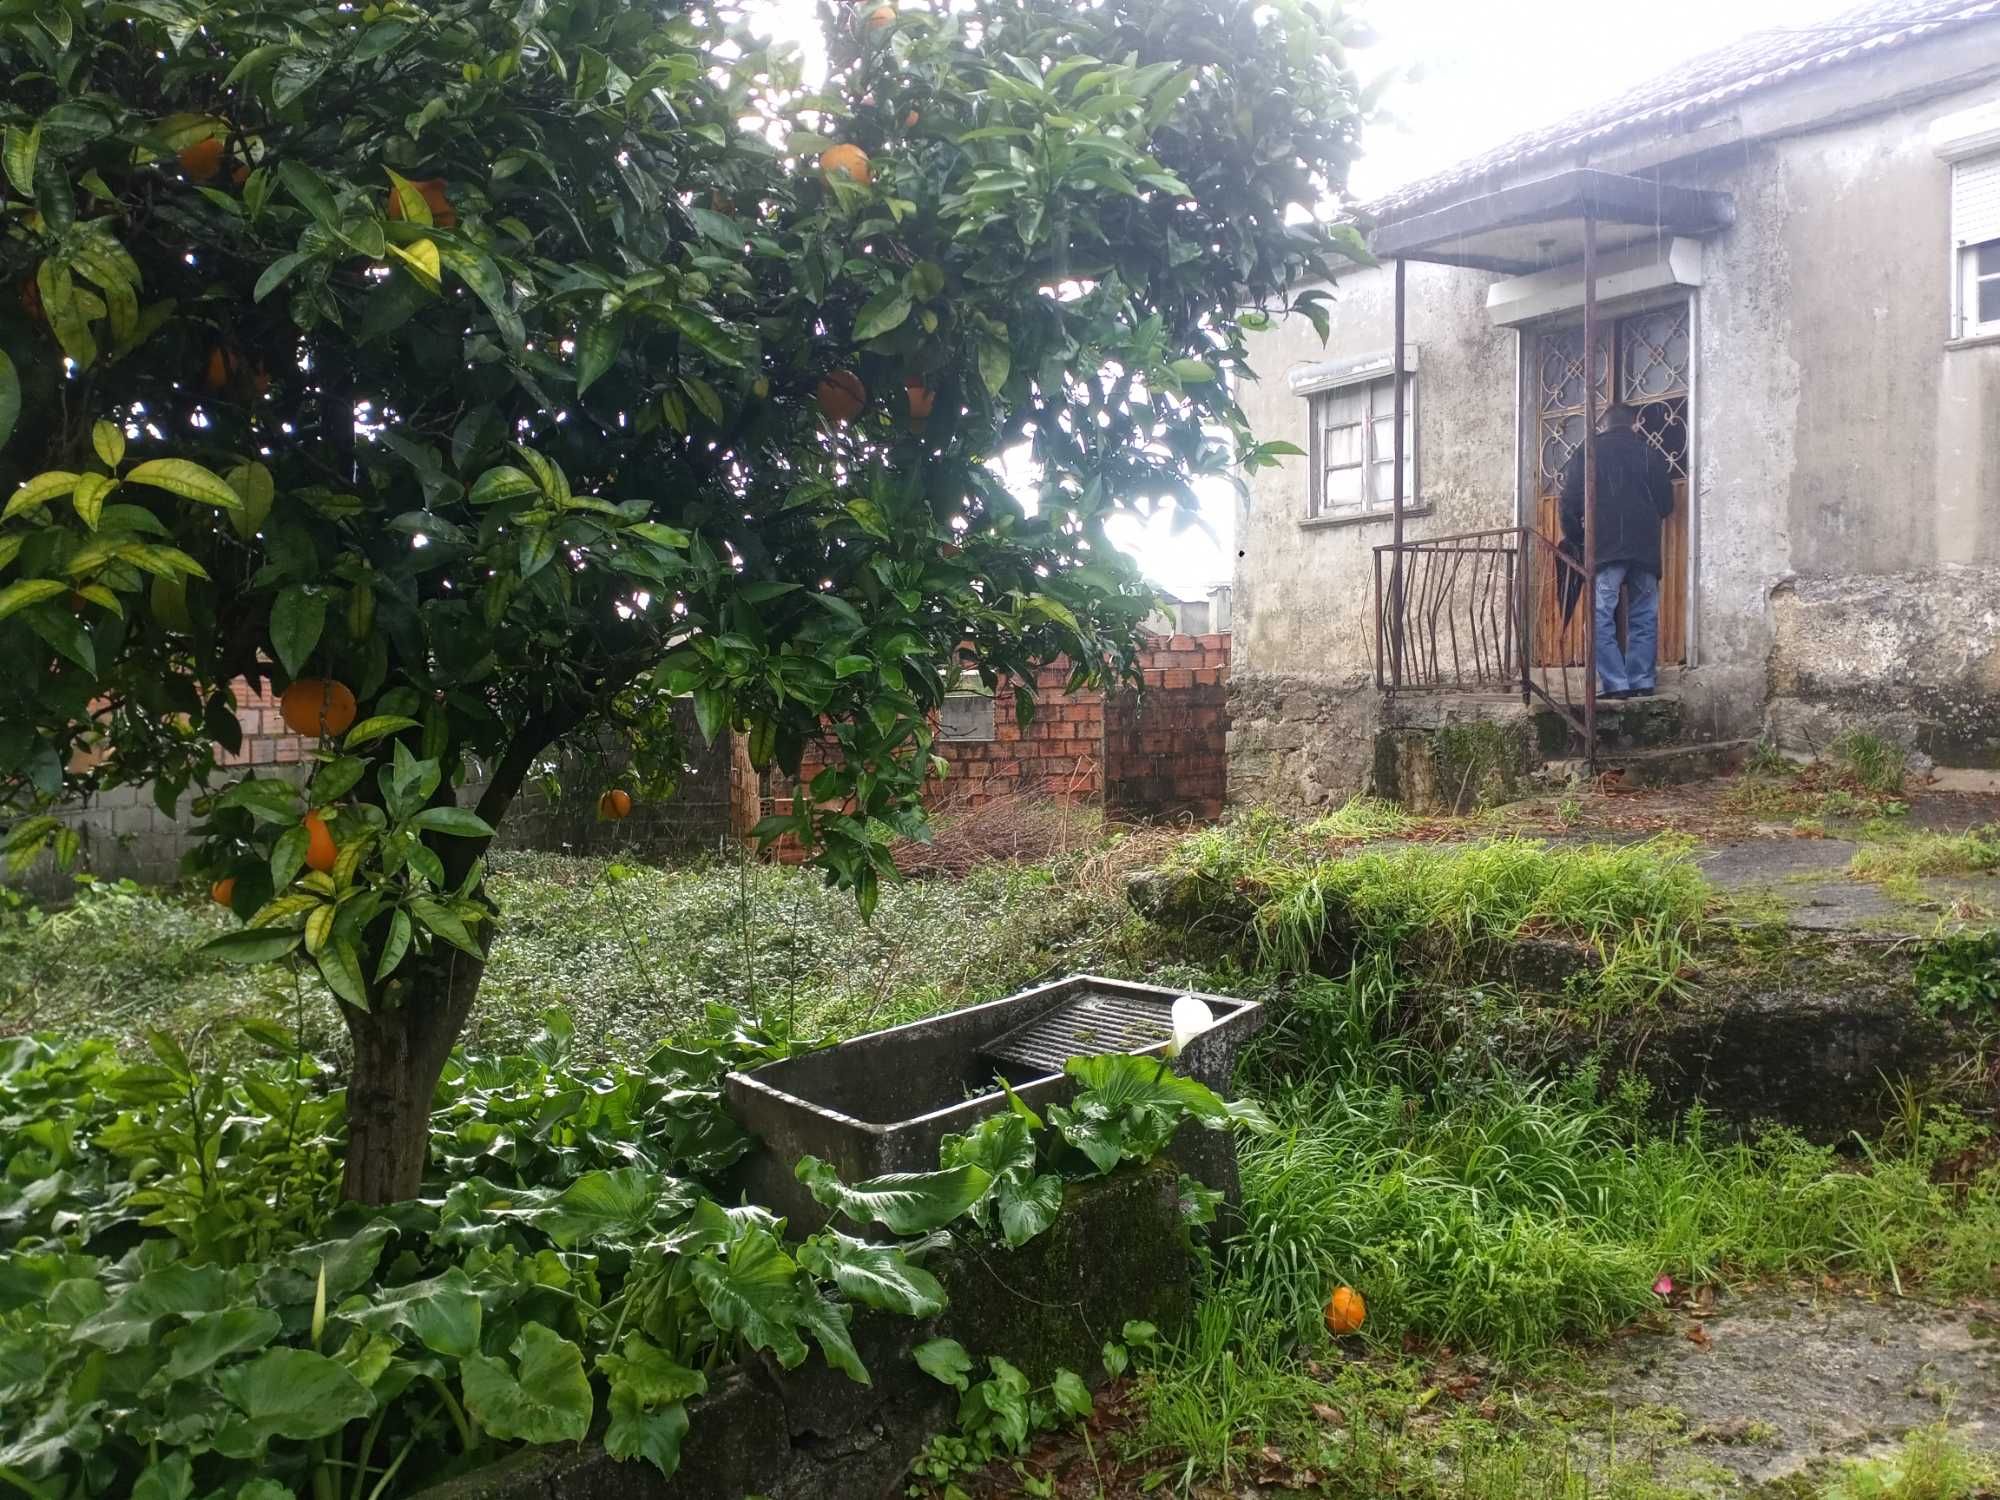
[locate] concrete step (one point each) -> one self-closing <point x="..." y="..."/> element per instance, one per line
<point x="1666" y="765"/>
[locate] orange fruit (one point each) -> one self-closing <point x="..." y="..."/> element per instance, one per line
<point x="881" y="16"/>
<point x="240" y="175"/>
<point x="614" y="805"/>
<point x="910" y="120"/>
<point x="313" y="706"/>
<point x="221" y="368"/>
<point x="922" y="400"/>
<point x="223" y="891"/>
<point x="1345" y="1311"/>
<point x="320" y="852"/>
<point x="443" y="215"/>
<point x="31" y="300"/>
<point x="841" y="396"/>
<point x="844" y="158"/>
<point x="202" y="160"/>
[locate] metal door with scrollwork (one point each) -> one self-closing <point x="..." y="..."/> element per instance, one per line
<point x="1652" y="354"/>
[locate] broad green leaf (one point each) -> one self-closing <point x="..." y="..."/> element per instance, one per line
<point x="903" y="1202"/>
<point x="10" y="398"/>
<point x="26" y="592"/>
<point x="1028" y="1208"/>
<point x="89" y="495"/>
<point x="879" y="1276"/>
<point x="503" y="482"/>
<point x="444" y="1312"/>
<point x="544" y="1399"/>
<point x="1192" y="371"/>
<point x="995" y="364"/>
<point x="1071" y="1394"/>
<point x="945" y="1361"/>
<point x="174" y="1290"/>
<point x="882" y="313"/>
<point x="394" y="946"/>
<point x="39" y="491"/>
<point x="276" y="274"/>
<point x="213" y="1337"/>
<point x="827" y="1323"/>
<point x="711" y="712"/>
<point x="295" y="1393"/>
<point x="707" y="335"/>
<point x="754" y="1294"/>
<point x="310" y="190"/>
<point x="596" y="351"/>
<point x="457" y="822"/>
<point x="19" y="153"/>
<point x="421" y="256"/>
<point x="653" y="1433"/>
<point x="652" y="1375"/>
<point x="259" y="945"/>
<point x="368" y="731"/>
<point x="188" y="480"/>
<point x="172" y="1478"/>
<point x="340" y="967"/>
<point x="612" y="1204"/>
<point x="298" y="619"/>
<point x="108" y="440"/>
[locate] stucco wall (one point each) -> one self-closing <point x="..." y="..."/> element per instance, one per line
<point x="1838" y="438"/>
<point x="1304" y="599"/>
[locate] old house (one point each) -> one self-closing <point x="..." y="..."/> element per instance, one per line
<point x="1787" y="253"/>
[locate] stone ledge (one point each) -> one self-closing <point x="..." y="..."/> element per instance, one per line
<point x="1119" y="1251"/>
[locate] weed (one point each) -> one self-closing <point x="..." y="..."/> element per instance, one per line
<point x="1928" y="854"/>
<point x="1871" y="762"/>
<point x="1766" y="759"/>
<point x="1960" y="971"/>
<point x="1360" y="818"/>
<point x="1933" y="1463"/>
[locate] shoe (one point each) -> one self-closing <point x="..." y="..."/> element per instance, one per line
<point x="1609" y="695"/>
<point x="1642" y="692"/>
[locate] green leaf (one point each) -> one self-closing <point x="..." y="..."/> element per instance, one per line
<point x="295" y="1393"/>
<point x="395" y="946"/>
<point x="19" y="153"/>
<point x="10" y="398"/>
<point x="39" y="491"/>
<point x="1026" y="1209"/>
<point x="172" y="1478"/>
<point x="618" y="1203"/>
<point x="276" y="274"/>
<point x="597" y="351"/>
<point x="546" y="1399"/>
<point x="827" y="1323"/>
<point x="340" y="967"/>
<point x="995" y="364"/>
<point x="368" y="731"/>
<point x="650" y="1373"/>
<point x="904" y="1202"/>
<point x="443" y="1313"/>
<point x="504" y="482"/>
<point x="310" y="190"/>
<point x="1070" y="1393"/>
<point x="754" y="1294"/>
<point x="879" y="1276"/>
<point x="457" y="822"/>
<point x="882" y="313"/>
<point x="1191" y="371"/>
<point x="255" y="945"/>
<point x="89" y="497"/>
<point x="640" y="1431"/>
<point x="108" y="440"/>
<point x="188" y="480"/>
<point x="298" y="619"/>
<point x="945" y="1361"/>
<point x="711" y="712"/>
<point x="707" y="335"/>
<point x="26" y="592"/>
<point x="213" y="1337"/>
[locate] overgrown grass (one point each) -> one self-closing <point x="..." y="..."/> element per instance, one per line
<point x="1438" y="907"/>
<point x="1929" y="854"/>
<point x="1871" y="762"/>
<point x="1933" y="1463"/>
<point x="630" y="951"/>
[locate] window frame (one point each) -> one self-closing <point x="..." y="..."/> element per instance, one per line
<point x="1376" y="431"/>
<point x="1965" y="293"/>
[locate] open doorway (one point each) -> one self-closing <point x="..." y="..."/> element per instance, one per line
<point x="1651" y="353"/>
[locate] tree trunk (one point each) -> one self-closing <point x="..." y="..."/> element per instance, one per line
<point x="398" y="1055"/>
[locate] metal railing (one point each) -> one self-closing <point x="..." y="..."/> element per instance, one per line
<point x="1504" y="610"/>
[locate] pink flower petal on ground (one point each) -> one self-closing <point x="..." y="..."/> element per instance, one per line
<point x="1664" y="1287"/>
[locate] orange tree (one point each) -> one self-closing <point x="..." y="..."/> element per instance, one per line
<point x="525" y="365"/>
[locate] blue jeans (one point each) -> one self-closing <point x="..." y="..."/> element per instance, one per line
<point x="1634" y="667"/>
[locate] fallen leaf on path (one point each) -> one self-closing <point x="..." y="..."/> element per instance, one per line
<point x="1698" y="1336"/>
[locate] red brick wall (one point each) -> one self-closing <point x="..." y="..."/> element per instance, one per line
<point x="1157" y="755"/>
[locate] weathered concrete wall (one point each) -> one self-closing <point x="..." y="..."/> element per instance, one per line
<point x="1299" y="741"/>
<point x="1839" y="433"/>
<point x="1914" y="657"/>
<point x="1119" y="1251"/>
<point x="1304" y="600"/>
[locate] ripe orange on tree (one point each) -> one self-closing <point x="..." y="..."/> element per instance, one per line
<point x="922" y="400"/>
<point x="841" y="396"/>
<point x="881" y="16"/>
<point x="1345" y="1311"/>
<point x="221" y="368"/>
<point x="320" y="851"/>
<point x="313" y="706"/>
<point x="443" y="215"/>
<point x="223" y="891"/>
<point x="615" y="805"/>
<point x="201" y="160"/>
<point x="846" y="158"/>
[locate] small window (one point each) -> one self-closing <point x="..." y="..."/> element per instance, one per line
<point x="1975" y="232"/>
<point x="1354" y="449"/>
<point x="966" y="718"/>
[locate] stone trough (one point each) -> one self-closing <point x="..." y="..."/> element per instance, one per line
<point x="885" y="1101"/>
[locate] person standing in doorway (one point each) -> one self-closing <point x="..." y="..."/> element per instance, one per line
<point x="1635" y="493"/>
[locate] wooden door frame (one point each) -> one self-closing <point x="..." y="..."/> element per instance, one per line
<point x="1527" y="432"/>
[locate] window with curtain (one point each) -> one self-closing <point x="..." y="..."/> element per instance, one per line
<point x="1354" y="449"/>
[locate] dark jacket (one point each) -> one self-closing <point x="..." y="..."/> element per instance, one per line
<point x="1635" y="492"/>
